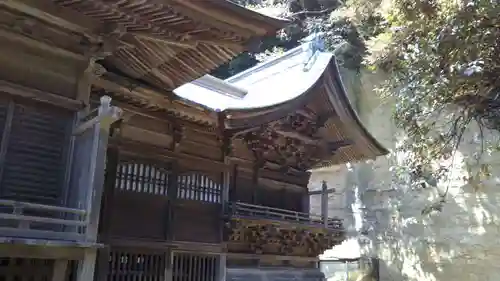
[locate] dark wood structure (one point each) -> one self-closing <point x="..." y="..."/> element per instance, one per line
<point x="80" y="175"/>
<point x="110" y="170"/>
<point x="294" y="116"/>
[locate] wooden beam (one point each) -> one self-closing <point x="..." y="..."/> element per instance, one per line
<point x="15" y="250"/>
<point x="277" y="257"/>
<point x="52" y="13"/>
<point x="123" y="86"/>
<point x="18" y="38"/>
<point x="208" y="13"/>
<point x="154" y="98"/>
<point x="75" y="21"/>
<point x="280" y="183"/>
<point x="319" y="192"/>
<point x="128" y="147"/>
<point x="298" y="136"/>
<point x="41" y="96"/>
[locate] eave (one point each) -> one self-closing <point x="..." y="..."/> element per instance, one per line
<point x="303" y="85"/>
<point x="160" y="43"/>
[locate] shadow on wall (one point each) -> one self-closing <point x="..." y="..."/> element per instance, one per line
<point x="458" y="243"/>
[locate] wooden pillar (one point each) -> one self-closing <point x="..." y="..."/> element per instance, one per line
<point x="226" y="183"/>
<point x="324" y="203"/>
<point x="233" y="186"/>
<point x="86" y="267"/>
<point x="106" y="214"/>
<point x="221" y="275"/>
<point x="306" y="202"/>
<point x="60" y="268"/>
<point x="88" y="174"/>
<point x="172" y="194"/>
<point x="255" y="183"/>
<point x="95" y="181"/>
<point x="168" y="266"/>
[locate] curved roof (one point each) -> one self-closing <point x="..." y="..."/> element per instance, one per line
<point x="304" y="79"/>
<point x="286" y="77"/>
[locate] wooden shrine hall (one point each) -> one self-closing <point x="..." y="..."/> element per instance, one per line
<point x="68" y="189"/>
<point x="278" y="120"/>
<point x="120" y="159"/>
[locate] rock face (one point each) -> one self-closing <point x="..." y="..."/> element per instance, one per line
<point x="458" y="243"/>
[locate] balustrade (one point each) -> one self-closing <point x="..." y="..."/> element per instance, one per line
<point x="245" y="210"/>
<point x="74" y="217"/>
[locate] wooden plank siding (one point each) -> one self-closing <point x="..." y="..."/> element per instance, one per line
<point x="35" y="148"/>
<point x="153" y="201"/>
<point x="140" y="199"/>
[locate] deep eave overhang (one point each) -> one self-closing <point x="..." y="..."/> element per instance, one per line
<point x="330" y="83"/>
<point x="321" y="81"/>
<point x="159" y="43"/>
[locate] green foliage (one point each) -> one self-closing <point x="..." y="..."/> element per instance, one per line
<point x="346" y="35"/>
<point x="443" y="58"/>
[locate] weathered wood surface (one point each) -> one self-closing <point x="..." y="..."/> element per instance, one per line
<point x="139" y="40"/>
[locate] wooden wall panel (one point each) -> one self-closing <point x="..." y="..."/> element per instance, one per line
<point x="243" y="191"/>
<point x="195" y="221"/>
<point x="139" y="215"/>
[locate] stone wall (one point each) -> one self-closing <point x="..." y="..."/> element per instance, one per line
<point x="459" y="243"/>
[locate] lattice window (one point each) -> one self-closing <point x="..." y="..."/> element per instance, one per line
<point x="198" y="187"/>
<point x="33" y="152"/>
<point x="191" y="267"/>
<point x="142" y="177"/>
<point x="124" y="265"/>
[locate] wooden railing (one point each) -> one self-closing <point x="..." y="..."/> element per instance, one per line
<point x="239" y="209"/>
<point x="38" y="221"/>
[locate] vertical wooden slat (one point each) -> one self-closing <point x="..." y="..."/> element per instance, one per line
<point x="8" y="112"/>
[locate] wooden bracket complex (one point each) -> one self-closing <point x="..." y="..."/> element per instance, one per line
<point x="109" y="43"/>
<point x="106" y="115"/>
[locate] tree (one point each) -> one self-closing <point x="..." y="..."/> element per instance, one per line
<point x="443" y="59"/>
<point x="309" y="16"/>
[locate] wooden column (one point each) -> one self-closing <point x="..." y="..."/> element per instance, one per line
<point x="106" y="213"/>
<point x="168" y="266"/>
<point x="225" y="152"/>
<point x="172" y="196"/>
<point x="255" y="183"/>
<point x="324" y="202"/>
<point x="233" y="186"/>
<point x="60" y="268"/>
<point x="86" y="267"/>
<point x="226" y="183"/>
<point x="221" y="275"/>
<point x="91" y="144"/>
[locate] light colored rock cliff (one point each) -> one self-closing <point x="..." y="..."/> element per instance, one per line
<point x="462" y="242"/>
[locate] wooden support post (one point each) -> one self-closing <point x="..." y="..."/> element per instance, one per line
<point x="60" y="268"/>
<point x="255" y="182"/>
<point x="107" y="116"/>
<point x="172" y="192"/>
<point x="169" y="266"/>
<point x="226" y="182"/>
<point x="91" y="141"/>
<point x="102" y="264"/>
<point x="324" y="203"/>
<point x="221" y="276"/>
<point x="86" y="267"/>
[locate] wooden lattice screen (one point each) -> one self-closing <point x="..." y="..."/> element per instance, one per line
<point x="33" y="152"/>
<point x="191" y="267"/>
<point x="140" y="176"/>
<point x="138" y="266"/>
<point x="198" y="187"/>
